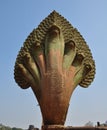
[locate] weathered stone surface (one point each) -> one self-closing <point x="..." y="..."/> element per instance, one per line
<point x="59" y="127"/>
<point x="53" y="61"/>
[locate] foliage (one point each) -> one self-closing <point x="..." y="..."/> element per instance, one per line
<point x="89" y="123"/>
<point x="3" y="127"/>
<point x="14" y="128"/>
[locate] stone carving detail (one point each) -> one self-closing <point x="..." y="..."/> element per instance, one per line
<point x="53" y="61"/>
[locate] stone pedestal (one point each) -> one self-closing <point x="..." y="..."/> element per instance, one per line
<point x="53" y="127"/>
<point x="61" y="127"/>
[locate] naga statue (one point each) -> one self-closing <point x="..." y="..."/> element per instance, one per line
<point x="53" y="61"/>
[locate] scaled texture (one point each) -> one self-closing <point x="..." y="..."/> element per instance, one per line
<point x="53" y="61"/>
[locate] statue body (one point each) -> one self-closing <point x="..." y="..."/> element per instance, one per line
<point x="53" y="61"/>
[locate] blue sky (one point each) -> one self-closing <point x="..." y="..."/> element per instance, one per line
<point x="18" y="108"/>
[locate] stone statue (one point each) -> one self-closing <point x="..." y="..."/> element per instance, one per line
<point x="53" y="61"/>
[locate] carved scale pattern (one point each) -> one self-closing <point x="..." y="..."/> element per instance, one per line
<point x="37" y="36"/>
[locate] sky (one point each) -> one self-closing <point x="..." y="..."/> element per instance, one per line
<point x="18" y="107"/>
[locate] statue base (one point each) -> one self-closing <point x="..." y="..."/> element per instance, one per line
<point x="61" y="127"/>
<point x="53" y="127"/>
